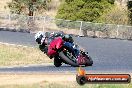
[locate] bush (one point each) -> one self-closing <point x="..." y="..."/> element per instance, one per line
<point x="111" y="1"/>
<point x="129" y="4"/>
<point x="116" y="16"/>
<point x="83" y="10"/>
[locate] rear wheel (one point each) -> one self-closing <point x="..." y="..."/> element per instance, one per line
<point x="68" y="59"/>
<point x="57" y="62"/>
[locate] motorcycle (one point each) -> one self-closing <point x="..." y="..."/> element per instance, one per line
<point x="62" y="54"/>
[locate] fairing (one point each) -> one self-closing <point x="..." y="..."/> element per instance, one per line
<point x="56" y="44"/>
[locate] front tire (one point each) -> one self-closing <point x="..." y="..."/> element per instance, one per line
<point x="57" y="62"/>
<point x="89" y="61"/>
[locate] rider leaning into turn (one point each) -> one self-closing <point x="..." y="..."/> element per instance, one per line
<point x="45" y="38"/>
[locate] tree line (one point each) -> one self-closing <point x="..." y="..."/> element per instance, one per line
<point x="82" y="10"/>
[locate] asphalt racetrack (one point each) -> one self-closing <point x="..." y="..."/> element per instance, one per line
<point x="109" y="55"/>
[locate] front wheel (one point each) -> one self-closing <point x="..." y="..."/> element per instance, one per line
<point x="89" y="61"/>
<point x="57" y="62"/>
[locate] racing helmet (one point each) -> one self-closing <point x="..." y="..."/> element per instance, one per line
<point x="39" y="36"/>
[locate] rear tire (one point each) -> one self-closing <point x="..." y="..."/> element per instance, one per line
<point x="67" y="60"/>
<point x="57" y="62"/>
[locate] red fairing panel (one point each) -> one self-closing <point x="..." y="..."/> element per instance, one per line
<point x="55" y="44"/>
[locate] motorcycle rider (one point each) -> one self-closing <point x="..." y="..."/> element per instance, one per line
<point x="70" y="44"/>
<point x="44" y="39"/>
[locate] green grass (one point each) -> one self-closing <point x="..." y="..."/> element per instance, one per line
<point x="68" y="85"/>
<point x="16" y="55"/>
